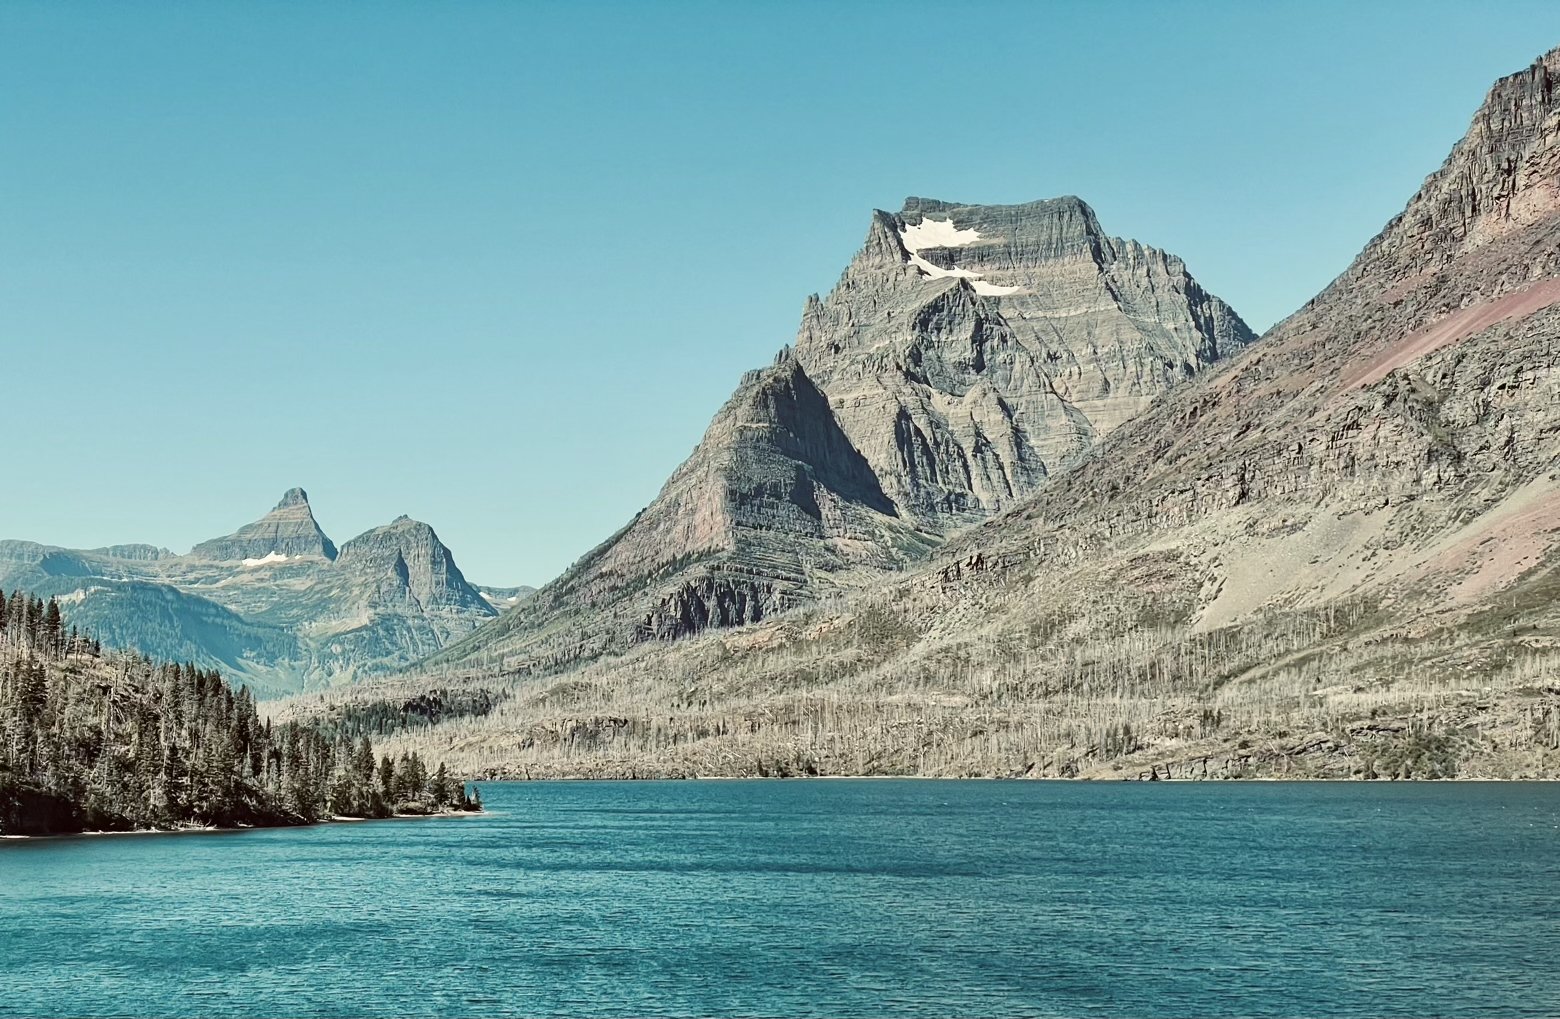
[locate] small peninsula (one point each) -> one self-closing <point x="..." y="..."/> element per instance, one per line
<point x="96" y="740"/>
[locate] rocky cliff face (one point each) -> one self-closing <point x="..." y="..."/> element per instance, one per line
<point x="288" y="530"/>
<point x="274" y="604"/>
<point x="966" y="355"/>
<point x="1499" y="180"/>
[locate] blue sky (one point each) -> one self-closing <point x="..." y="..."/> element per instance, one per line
<point x="495" y="265"/>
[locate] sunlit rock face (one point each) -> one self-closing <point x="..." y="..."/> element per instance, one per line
<point x="1392" y="441"/>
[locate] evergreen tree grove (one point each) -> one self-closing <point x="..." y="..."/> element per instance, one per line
<point x="90" y="741"/>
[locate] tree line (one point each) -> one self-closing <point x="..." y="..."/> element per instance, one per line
<point x="95" y="740"/>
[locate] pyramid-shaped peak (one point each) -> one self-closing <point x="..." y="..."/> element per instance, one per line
<point x="409" y="553"/>
<point x="288" y="530"/>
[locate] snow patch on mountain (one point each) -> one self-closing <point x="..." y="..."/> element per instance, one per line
<point x="936" y="233"/>
<point x="938" y="272"/>
<point x="265" y="560"/>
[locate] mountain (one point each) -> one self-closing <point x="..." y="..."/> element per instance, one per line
<point x="967" y="353"/>
<point x="274" y="604"/>
<point x="288" y="530"/>
<point x="970" y="351"/>
<point x="410" y="564"/>
<point x="1337" y="554"/>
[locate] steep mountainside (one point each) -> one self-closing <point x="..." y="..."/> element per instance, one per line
<point x="1337" y="556"/>
<point x="274" y="604"/>
<point x="966" y="354"/>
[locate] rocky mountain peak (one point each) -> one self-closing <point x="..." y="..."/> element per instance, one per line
<point x="406" y="557"/>
<point x="970" y="351"/>
<point x="289" y="530"/>
<point x="1030" y="232"/>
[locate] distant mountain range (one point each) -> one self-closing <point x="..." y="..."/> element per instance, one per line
<point x="275" y="604"/>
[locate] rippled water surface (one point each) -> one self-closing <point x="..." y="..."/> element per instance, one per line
<point x="817" y="898"/>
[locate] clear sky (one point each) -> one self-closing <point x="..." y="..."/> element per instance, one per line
<point x="495" y="265"/>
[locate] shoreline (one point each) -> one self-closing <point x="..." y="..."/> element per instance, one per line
<point x="1083" y="779"/>
<point x="238" y="829"/>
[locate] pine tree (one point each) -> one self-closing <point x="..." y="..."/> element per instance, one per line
<point x="439" y="788"/>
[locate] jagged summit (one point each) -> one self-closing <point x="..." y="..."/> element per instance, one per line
<point x="289" y="530"/>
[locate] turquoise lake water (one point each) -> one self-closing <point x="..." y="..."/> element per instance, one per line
<point x="777" y="898"/>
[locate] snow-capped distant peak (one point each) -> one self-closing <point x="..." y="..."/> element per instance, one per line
<point x="265" y="560"/>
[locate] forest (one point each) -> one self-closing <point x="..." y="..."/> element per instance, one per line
<point x="95" y="740"/>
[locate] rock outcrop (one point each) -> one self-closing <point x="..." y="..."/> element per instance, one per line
<point x="134" y="551"/>
<point x="967" y="354"/>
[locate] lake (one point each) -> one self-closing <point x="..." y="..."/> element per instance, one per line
<point x="828" y="897"/>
